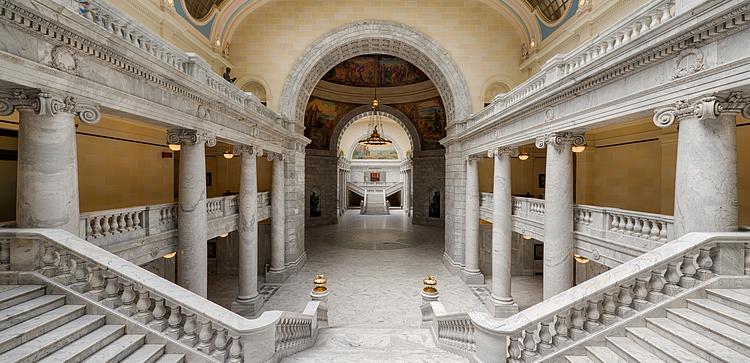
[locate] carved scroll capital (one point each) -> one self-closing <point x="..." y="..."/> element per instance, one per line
<point x="190" y="137"/>
<point x="48" y="104"/>
<point x="250" y="150"/>
<point x="705" y="108"/>
<point x="502" y="151"/>
<point x="558" y="139"/>
<point x="271" y="156"/>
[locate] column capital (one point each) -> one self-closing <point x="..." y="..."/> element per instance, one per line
<point x="190" y="137"/>
<point x="48" y="104"/>
<point x="560" y="139"/>
<point x="239" y="149"/>
<point x="503" y="150"/>
<point x="705" y="108"/>
<point x="271" y="156"/>
<point x="472" y="157"/>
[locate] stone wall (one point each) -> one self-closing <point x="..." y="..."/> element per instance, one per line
<point x="321" y="178"/>
<point x="294" y="204"/>
<point x="455" y="197"/>
<point x="429" y="177"/>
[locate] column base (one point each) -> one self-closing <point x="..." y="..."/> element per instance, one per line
<point x="279" y="276"/>
<point x="248" y="308"/>
<point x="472" y="277"/>
<point x="501" y="309"/>
<point x="451" y="265"/>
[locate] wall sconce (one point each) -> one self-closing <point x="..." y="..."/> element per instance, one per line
<point x="174" y="147"/>
<point x="578" y="148"/>
<point x="580" y="259"/>
<point x="224" y="235"/>
<point x="170" y="255"/>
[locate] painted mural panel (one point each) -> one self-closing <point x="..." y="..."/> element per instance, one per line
<point x="429" y="119"/>
<point x="375" y="152"/>
<point x="321" y="117"/>
<point x="363" y="71"/>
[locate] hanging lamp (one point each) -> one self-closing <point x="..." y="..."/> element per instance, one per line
<point x="375" y="138"/>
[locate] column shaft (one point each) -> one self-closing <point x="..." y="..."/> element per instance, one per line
<point x="558" y="219"/>
<point x="47" y="194"/>
<point x="192" y="223"/>
<point x="277" y="216"/>
<point x="471" y="272"/>
<point x="248" y="228"/>
<point x="502" y="232"/>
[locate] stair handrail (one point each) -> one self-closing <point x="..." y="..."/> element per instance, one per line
<point x="635" y="285"/>
<point x="158" y="304"/>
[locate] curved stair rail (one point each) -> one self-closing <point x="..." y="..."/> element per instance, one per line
<point x="161" y="306"/>
<point x="574" y="314"/>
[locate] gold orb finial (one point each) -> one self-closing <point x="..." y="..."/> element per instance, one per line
<point x="429" y="285"/>
<point x="320" y="284"/>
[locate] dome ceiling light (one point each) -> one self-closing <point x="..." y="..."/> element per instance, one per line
<point x="376" y="121"/>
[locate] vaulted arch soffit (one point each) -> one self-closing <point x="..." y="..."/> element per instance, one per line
<point x="385" y="111"/>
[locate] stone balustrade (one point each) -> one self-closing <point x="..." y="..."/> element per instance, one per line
<point x="608" y="235"/>
<point x="161" y="307"/>
<point x="553" y="73"/>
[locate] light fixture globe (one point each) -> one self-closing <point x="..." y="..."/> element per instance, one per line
<point x="228" y="155"/>
<point x="174" y="147"/>
<point x="578" y="148"/>
<point x="523" y="156"/>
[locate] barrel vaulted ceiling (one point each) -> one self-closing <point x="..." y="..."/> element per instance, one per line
<point x="217" y="20"/>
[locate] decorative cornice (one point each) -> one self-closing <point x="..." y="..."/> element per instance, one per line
<point x="705" y="108"/>
<point x="48" y="104"/>
<point x="560" y="139"/>
<point x="190" y="137"/>
<point x="502" y="151"/>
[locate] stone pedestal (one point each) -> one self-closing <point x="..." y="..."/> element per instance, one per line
<point x="501" y="303"/>
<point x="706" y="172"/>
<point x="470" y="272"/>
<point x="278" y="225"/>
<point x="248" y="302"/>
<point x="558" y="212"/>
<point x="192" y="222"/>
<point x="321" y="297"/>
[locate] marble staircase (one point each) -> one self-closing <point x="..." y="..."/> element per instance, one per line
<point x="40" y="327"/>
<point x="375" y="204"/>
<point x="712" y="325"/>
<point x="374" y="344"/>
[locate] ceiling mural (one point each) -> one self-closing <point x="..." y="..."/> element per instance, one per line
<point x="321" y="117"/>
<point x="429" y="119"/>
<point x="374" y="152"/>
<point x="375" y="70"/>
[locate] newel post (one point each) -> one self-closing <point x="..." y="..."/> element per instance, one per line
<point x="491" y="347"/>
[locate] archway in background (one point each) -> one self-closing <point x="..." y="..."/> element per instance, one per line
<point x="385" y="111"/>
<point x="375" y="37"/>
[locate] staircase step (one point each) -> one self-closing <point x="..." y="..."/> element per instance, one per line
<point x="720" y="312"/>
<point x="32" y="328"/>
<point x="19" y="294"/>
<point x="578" y="359"/>
<point x="171" y="358"/>
<point x="634" y="352"/>
<point x="730" y="297"/>
<point x="29" y="309"/>
<point x="148" y="353"/>
<point x="603" y="355"/>
<point x="661" y="346"/>
<point x="45" y="344"/>
<point x="117" y="350"/>
<point x="707" y="328"/>
<point x="87" y="345"/>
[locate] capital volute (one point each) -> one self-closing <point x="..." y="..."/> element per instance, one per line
<point x="48" y="104"/>
<point x="271" y="156"/>
<point x="190" y="137"/>
<point x="559" y="139"/>
<point x="250" y="150"/>
<point x="705" y="108"/>
<point x="472" y="158"/>
<point x="503" y="151"/>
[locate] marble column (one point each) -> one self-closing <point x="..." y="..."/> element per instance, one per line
<point x="47" y="188"/>
<point x="248" y="302"/>
<point x="706" y="170"/>
<point x="470" y="272"/>
<point x="501" y="303"/>
<point x="192" y="221"/>
<point x="407" y="191"/>
<point x="558" y="212"/>
<point x="278" y="220"/>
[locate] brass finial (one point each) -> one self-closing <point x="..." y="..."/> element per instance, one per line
<point x="429" y="285"/>
<point x="320" y="284"/>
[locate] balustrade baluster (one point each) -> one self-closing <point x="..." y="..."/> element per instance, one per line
<point x="97" y="283"/>
<point x="105" y="225"/>
<point x="625" y="300"/>
<point x="663" y="231"/>
<point x="561" y="338"/>
<point x="144" y="315"/>
<point x="641" y="293"/>
<point x="235" y="350"/>
<point x="655" y="231"/>
<point x="190" y="338"/>
<point x="622" y="227"/>
<point x="80" y="275"/>
<point x="529" y="344"/>
<point x="129" y="221"/>
<point x="158" y="314"/>
<point x="608" y="309"/>
<point x="128" y="298"/>
<point x="576" y="331"/>
<point x="96" y="227"/>
<point x="137" y="220"/>
<point x="514" y="350"/>
<point x="687" y="280"/>
<point x="112" y="292"/>
<point x="747" y="258"/>
<point x="220" y="344"/>
<point x="629" y="225"/>
<point x="205" y="336"/>
<point x="704" y="264"/>
<point x="646" y="229"/>
<point x="592" y="324"/>
<point x="545" y="338"/>
<point x="672" y="279"/>
<point x="113" y="225"/>
<point x="637" y="226"/>
<point x="655" y="287"/>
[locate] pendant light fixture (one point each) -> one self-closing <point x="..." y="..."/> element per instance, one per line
<point x="376" y="121"/>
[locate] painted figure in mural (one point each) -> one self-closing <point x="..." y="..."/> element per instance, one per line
<point x="435" y="205"/>
<point x="315" y="205"/>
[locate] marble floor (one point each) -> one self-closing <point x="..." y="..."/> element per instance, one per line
<point x="375" y="266"/>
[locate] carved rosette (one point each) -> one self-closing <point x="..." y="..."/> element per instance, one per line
<point x="48" y="104"/>
<point x="190" y="137"/>
<point x="706" y="108"/>
<point x="503" y="150"/>
<point x="559" y="139"/>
